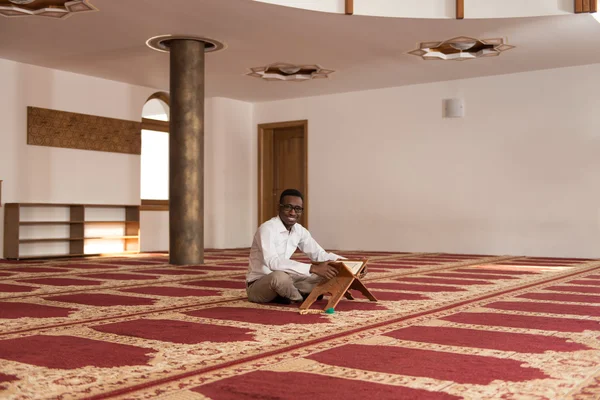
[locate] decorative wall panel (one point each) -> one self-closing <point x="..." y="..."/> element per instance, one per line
<point x="80" y="131"/>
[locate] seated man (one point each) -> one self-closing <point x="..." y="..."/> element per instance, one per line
<point x="272" y="275"/>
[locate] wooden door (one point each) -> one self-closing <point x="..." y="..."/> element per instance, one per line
<point x="288" y="163"/>
<point x="282" y="158"/>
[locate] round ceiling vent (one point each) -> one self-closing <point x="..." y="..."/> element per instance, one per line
<point x="163" y="42"/>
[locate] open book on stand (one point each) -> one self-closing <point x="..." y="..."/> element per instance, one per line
<point x="348" y="278"/>
<point x="356" y="267"/>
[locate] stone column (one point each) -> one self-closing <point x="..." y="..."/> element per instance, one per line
<point x="186" y="152"/>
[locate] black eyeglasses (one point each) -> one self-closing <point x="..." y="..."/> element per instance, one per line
<point x="289" y="207"/>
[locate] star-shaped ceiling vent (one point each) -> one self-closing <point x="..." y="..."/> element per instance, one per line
<point x="461" y="48"/>
<point x="44" y="8"/>
<point x="289" y="72"/>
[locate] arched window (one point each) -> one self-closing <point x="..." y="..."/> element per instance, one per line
<point x="154" y="171"/>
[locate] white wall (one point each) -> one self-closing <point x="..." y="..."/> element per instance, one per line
<point x="47" y="174"/>
<point x="519" y="174"/>
<point x="154" y="231"/>
<point x="230" y="195"/>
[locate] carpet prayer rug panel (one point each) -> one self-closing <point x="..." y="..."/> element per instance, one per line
<point x="445" y="327"/>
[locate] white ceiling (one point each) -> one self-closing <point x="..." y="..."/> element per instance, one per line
<point x="366" y="52"/>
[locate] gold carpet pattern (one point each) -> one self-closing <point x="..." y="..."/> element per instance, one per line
<point x="446" y="326"/>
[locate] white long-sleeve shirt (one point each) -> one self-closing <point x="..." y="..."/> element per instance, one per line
<point x="273" y="245"/>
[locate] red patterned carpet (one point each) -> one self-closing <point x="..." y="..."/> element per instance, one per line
<point x="446" y="326"/>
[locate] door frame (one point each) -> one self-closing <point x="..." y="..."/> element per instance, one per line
<point x="265" y="164"/>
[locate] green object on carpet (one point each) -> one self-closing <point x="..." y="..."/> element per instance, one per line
<point x="329" y="311"/>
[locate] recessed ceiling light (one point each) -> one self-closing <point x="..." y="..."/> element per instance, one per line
<point x="460" y="49"/>
<point x="289" y="72"/>
<point x="462" y="46"/>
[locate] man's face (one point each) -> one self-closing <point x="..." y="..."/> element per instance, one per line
<point x="290" y="210"/>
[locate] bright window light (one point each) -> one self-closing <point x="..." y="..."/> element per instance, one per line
<point x="155" y="165"/>
<point x="597" y="16"/>
<point x="160" y="117"/>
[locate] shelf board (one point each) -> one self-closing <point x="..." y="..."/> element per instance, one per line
<point x="73" y="205"/>
<point x="73" y="255"/>
<point x="45" y="240"/>
<point x="111" y="237"/>
<point x="73" y="222"/>
<point x="107" y="222"/>
<point x="50" y="222"/>
<point x="49" y="256"/>
<point x="74" y="239"/>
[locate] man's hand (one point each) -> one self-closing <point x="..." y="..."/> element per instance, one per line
<point x="324" y="269"/>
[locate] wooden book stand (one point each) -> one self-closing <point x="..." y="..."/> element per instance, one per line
<point x="348" y="277"/>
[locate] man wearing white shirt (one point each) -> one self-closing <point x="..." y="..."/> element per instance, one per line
<point x="272" y="274"/>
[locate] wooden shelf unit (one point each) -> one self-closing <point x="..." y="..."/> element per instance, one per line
<point x="76" y="224"/>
